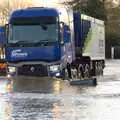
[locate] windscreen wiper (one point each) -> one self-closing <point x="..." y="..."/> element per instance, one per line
<point x="44" y="42"/>
<point x="21" y="42"/>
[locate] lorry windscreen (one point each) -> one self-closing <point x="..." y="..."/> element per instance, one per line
<point x="33" y="33"/>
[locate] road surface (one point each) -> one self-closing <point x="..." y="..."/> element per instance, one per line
<point x="32" y="99"/>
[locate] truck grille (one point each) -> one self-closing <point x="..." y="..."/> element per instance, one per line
<point x="33" y="70"/>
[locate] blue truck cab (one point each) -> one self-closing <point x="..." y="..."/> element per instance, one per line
<point x="40" y="41"/>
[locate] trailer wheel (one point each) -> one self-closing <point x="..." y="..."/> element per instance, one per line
<point x="67" y="72"/>
<point x="80" y="71"/>
<point x="96" y="69"/>
<point x="74" y="74"/>
<point x="87" y="71"/>
<point x="101" y="68"/>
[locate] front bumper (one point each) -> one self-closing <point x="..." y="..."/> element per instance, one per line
<point x="36" y="70"/>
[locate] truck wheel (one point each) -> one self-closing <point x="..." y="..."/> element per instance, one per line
<point x="67" y="72"/>
<point x="80" y="71"/>
<point x="65" y="76"/>
<point x="74" y="74"/>
<point x="101" y="68"/>
<point x="96" y="69"/>
<point x="87" y="71"/>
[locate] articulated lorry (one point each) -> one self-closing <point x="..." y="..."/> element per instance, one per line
<point x="54" y="42"/>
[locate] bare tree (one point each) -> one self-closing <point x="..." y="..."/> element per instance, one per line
<point x="76" y="4"/>
<point x="7" y="6"/>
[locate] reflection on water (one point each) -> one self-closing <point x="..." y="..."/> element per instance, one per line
<point x="40" y="85"/>
<point x="63" y="107"/>
<point x="5" y="106"/>
<point x="57" y="86"/>
<point x="39" y="99"/>
<point x="5" y="109"/>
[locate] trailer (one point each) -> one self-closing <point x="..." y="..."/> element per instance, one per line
<point x="55" y="42"/>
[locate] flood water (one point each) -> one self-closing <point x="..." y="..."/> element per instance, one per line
<point x="37" y="99"/>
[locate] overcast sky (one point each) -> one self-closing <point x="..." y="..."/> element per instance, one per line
<point x="47" y="2"/>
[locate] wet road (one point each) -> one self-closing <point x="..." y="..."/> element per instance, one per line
<point x="33" y="99"/>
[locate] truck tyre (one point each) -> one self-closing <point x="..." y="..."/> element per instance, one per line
<point x="101" y="68"/>
<point x="67" y="72"/>
<point x="80" y="71"/>
<point x="96" y="69"/>
<point x="74" y="74"/>
<point x="87" y="71"/>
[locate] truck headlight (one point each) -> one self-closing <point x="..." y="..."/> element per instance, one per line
<point x="54" y="68"/>
<point x="11" y="69"/>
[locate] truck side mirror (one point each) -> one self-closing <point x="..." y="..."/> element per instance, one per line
<point x="64" y="33"/>
<point x="62" y="23"/>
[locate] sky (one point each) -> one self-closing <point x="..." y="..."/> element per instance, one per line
<point x="56" y="1"/>
<point x="47" y="2"/>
